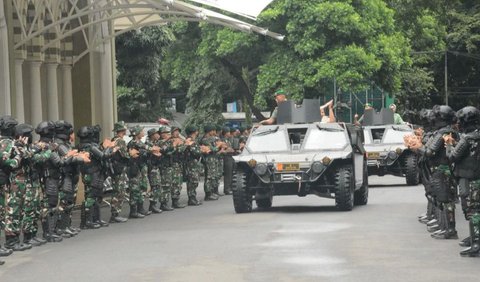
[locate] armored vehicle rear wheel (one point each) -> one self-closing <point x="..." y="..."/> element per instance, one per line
<point x="242" y="199"/>
<point x="361" y="195"/>
<point x="412" y="172"/>
<point x="344" y="189"/>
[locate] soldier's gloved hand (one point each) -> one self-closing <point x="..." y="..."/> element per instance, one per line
<point x="71" y="153"/>
<point x="85" y="156"/>
<point x="107" y="143"/>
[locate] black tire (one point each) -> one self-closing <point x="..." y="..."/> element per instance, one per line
<point x="242" y="199"/>
<point x="412" y="171"/>
<point x="360" y="197"/>
<point x="265" y="203"/>
<point x="344" y="190"/>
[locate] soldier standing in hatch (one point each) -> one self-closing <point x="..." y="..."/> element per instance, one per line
<point x="119" y="173"/>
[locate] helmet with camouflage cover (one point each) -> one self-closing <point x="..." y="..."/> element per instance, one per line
<point x="191" y="129"/>
<point x="119" y="126"/>
<point x="442" y="116"/>
<point x="152" y="131"/>
<point x="164" y="129"/>
<point x="135" y="130"/>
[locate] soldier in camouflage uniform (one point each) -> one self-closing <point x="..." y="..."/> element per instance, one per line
<point x="228" y="161"/>
<point x="13" y="181"/>
<point x="210" y="161"/>
<point x="119" y="172"/>
<point x="154" y="172"/>
<point x="165" y="167"/>
<point x="220" y="154"/>
<point x="137" y="171"/>
<point x="176" y="155"/>
<point x="31" y="161"/>
<point x="192" y="164"/>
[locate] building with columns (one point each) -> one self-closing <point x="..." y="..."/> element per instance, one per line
<point x="57" y="57"/>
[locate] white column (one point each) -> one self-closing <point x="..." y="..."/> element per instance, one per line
<point x="107" y="88"/>
<point x="35" y="92"/>
<point x="52" y="91"/>
<point x="19" y="103"/>
<point x="4" y="65"/>
<point x="67" y="105"/>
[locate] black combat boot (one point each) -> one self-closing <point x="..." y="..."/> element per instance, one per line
<point x="134" y="213"/>
<point x="28" y="239"/>
<point x="97" y="216"/>
<point x="165" y="207"/>
<point x="141" y="210"/>
<point x="116" y="218"/>
<point x="153" y="207"/>
<point x="228" y="192"/>
<point x="192" y="201"/>
<point x="474" y="250"/>
<point x="61" y="225"/>
<point x="12" y="242"/>
<point x="48" y="227"/>
<point x="89" y="223"/>
<point x="68" y="223"/>
<point x="210" y="197"/>
<point x="65" y="219"/>
<point x="4" y="252"/>
<point x="467" y="242"/>
<point x="176" y="204"/>
<point x="215" y="191"/>
<point x="42" y="241"/>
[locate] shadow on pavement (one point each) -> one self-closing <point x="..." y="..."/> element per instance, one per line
<point x="387" y="185"/>
<point x="298" y="209"/>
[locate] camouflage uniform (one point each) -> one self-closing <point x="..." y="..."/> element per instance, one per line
<point x="119" y="173"/>
<point x="137" y="173"/>
<point x="176" y="158"/>
<point x="166" y="172"/>
<point x="11" y="193"/>
<point x="192" y="167"/>
<point x="211" y="164"/>
<point x="154" y="176"/>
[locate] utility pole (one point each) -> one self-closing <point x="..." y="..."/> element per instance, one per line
<point x="446" y="77"/>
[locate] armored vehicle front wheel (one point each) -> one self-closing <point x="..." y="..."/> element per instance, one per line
<point x="344" y="189"/>
<point x="242" y="199"/>
<point x="412" y="172"/>
<point x="361" y="195"/>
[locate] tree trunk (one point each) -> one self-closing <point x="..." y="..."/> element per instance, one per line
<point x="244" y="89"/>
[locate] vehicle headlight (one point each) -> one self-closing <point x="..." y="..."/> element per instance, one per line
<point x="261" y="169"/>
<point x="392" y="155"/>
<point x="326" y="160"/>
<point x="317" y="167"/>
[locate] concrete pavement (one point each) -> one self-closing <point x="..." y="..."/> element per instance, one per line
<point x="299" y="239"/>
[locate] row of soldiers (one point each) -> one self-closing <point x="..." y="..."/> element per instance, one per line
<point x="448" y="150"/>
<point x="39" y="180"/>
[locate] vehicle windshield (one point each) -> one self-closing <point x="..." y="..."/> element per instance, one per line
<point x="392" y="135"/>
<point x="270" y="140"/>
<point x="326" y="139"/>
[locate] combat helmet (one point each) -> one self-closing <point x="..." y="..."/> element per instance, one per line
<point x="7" y="126"/>
<point x="469" y="118"/>
<point x="46" y="129"/>
<point x="63" y="129"/>
<point x="24" y="130"/>
<point x="442" y="116"/>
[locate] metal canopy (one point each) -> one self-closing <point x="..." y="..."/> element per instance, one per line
<point x="68" y="17"/>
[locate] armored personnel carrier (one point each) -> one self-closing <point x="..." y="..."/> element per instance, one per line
<point x="300" y="156"/>
<point x="386" y="152"/>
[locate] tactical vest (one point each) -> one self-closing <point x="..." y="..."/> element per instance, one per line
<point x="469" y="166"/>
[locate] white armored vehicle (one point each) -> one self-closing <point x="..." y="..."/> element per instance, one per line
<point x="324" y="159"/>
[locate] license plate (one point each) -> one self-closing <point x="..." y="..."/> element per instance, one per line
<point x="373" y="155"/>
<point x="288" y="167"/>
